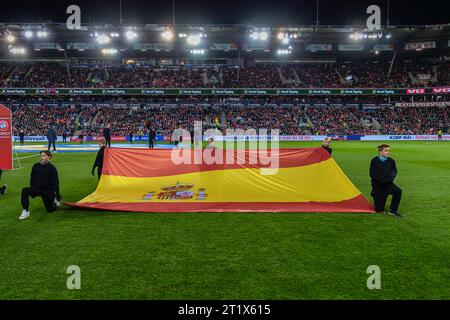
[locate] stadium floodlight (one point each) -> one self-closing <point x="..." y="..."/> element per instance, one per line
<point x="285" y="40"/>
<point x="182" y="35"/>
<point x="109" y="51"/>
<point x="10" y="38"/>
<point x="28" y="34"/>
<point x="280" y="35"/>
<point x="131" y="35"/>
<point x="114" y="35"/>
<point x="254" y="35"/>
<point x="357" y="36"/>
<point x="263" y="36"/>
<point x="388" y="36"/>
<point x="377" y="52"/>
<point x="42" y="34"/>
<point x="167" y="35"/>
<point x="284" y="52"/>
<point x="103" y="39"/>
<point x="198" y="51"/>
<point x="17" y="51"/>
<point x="193" y="39"/>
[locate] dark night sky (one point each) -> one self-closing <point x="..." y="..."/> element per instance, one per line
<point x="278" y="12"/>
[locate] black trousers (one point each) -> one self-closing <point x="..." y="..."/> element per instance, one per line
<point x="380" y="196"/>
<point x="50" y="144"/>
<point x="99" y="171"/>
<point x="108" y="142"/>
<point x="47" y="196"/>
<point x="150" y="143"/>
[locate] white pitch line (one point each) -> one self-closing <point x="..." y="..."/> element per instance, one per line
<point x="33" y="155"/>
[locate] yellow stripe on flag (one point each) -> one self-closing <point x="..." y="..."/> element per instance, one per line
<point x="321" y="182"/>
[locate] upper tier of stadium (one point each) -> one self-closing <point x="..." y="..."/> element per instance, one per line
<point x="49" y="55"/>
<point x="373" y="73"/>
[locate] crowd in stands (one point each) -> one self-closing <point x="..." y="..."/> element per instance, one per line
<point x="35" y="120"/>
<point x="292" y="116"/>
<point x="412" y="120"/>
<point x="365" y="73"/>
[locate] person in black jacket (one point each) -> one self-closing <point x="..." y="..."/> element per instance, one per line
<point x="51" y="137"/>
<point x="99" y="159"/>
<point x="131" y="135"/>
<point x="151" y="137"/>
<point x="326" y="144"/>
<point x="21" y="137"/>
<point x="4" y="187"/>
<point x="44" y="182"/>
<point x="107" y="135"/>
<point x="383" y="171"/>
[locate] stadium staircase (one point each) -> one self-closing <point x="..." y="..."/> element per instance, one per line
<point x="308" y="120"/>
<point x="297" y="78"/>
<point x="28" y="72"/>
<point x="341" y="79"/>
<point x="206" y="80"/>
<point x="11" y="73"/>
<point x="376" y="125"/>
<point x="221" y="76"/>
<point x="223" y="119"/>
<point x="280" y="73"/>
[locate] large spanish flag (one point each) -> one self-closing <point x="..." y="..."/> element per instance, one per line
<point x="143" y="180"/>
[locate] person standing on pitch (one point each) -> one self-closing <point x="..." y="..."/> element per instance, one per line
<point x="440" y="135"/>
<point x="64" y="136"/>
<point x="99" y="159"/>
<point x="44" y="182"/>
<point x="51" y="137"/>
<point x="107" y="135"/>
<point x="326" y="144"/>
<point x="3" y="188"/>
<point x="21" y="137"/>
<point x="131" y="137"/>
<point x="383" y="171"/>
<point x="151" y="137"/>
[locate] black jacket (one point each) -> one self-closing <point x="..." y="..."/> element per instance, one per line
<point x="45" y="176"/>
<point x="107" y="133"/>
<point x="51" y="135"/>
<point x="328" y="149"/>
<point x="382" y="173"/>
<point x="99" y="159"/>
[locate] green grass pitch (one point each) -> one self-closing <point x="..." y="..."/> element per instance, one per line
<point x="234" y="255"/>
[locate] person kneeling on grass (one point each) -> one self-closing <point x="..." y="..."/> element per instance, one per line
<point x="383" y="172"/>
<point x="3" y="188"/>
<point x="44" y="182"/>
<point x="326" y="144"/>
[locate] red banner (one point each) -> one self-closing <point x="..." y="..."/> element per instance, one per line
<point x="6" y="162"/>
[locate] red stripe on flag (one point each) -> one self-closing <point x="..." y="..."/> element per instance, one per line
<point x="157" y="162"/>
<point x="357" y="204"/>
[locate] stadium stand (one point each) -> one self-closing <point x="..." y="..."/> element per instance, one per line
<point x="354" y="73"/>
